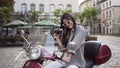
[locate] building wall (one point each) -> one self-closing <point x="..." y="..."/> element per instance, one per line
<point x="116" y="19"/>
<point x="110" y="10"/>
<point x="84" y="4"/>
<point x="115" y="2"/>
<point x="106" y="17"/>
<point x="109" y="14"/>
<point x="93" y="3"/>
<point x="74" y="3"/>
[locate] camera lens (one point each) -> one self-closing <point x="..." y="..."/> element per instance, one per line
<point x="65" y="25"/>
<point x="58" y="31"/>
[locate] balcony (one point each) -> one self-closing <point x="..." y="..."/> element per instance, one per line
<point x="102" y="0"/>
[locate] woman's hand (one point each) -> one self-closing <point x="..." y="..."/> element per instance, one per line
<point x="56" y="36"/>
<point x="66" y="59"/>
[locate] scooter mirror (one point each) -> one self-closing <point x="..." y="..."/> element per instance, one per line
<point x="22" y="32"/>
<point x="71" y="45"/>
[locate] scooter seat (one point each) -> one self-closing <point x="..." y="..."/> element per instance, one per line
<point x="89" y="63"/>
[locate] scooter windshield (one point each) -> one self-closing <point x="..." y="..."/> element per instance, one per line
<point x="49" y="43"/>
<point x="44" y="39"/>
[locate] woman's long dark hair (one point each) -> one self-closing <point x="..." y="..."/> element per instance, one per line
<point x="66" y="31"/>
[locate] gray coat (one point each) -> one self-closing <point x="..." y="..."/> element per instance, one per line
<point x="78" y="50"/>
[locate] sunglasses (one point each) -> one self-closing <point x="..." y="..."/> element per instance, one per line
<point x="65" y="24"/>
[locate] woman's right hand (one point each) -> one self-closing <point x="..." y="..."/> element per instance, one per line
<point x="56" y="36"/>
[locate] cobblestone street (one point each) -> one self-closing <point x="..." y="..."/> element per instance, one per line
<point x="114" y="44"/>
<point x="14" y="57"/>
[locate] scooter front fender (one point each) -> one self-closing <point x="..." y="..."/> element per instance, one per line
<point x="32" y="64"/>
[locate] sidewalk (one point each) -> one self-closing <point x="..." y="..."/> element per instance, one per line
<point x="105" y="35"/>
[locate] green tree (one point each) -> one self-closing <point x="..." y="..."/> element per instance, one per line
<point x="5" y="14"/>
<point x="19" y="16"/>
<point x="69" y="10"/>
<point x="81" y="17"/>
<point x="34" y="15"/>
<point x="6" y="9"/>
<point x="58" y="12"/>
<point x="90" y="16"/>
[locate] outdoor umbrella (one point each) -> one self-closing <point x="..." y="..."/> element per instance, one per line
<point x="26" y="26"/>
<point x="15" y="23"/>
<point x="45" y="24"/>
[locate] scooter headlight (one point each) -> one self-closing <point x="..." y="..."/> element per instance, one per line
<point x="34" y="53"/>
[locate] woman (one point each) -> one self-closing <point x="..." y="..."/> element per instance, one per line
<point x="74" y="57"/>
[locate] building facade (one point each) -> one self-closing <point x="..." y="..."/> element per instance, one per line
<point x="110" y="17"/>
<point x="92" y="3"/>
<point x="84" y="4"/>
<point x="97" y="4"/>
<point x="45" y="6"/>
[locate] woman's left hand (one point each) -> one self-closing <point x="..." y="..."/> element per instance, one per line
<point x="66" y="59"/>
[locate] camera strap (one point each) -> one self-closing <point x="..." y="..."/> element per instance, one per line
<point x="73" y="35"/>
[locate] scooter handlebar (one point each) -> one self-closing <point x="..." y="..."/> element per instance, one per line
<point x="53" y="58"/>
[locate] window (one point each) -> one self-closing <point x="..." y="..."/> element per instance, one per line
<point x="60" y="6"/>
<point x="106" y="14"/>
<point x="24" y="8"/>
<point x="33" y="7"/>
<point x="41" y="8"/>
<point x="110" y="13"/>
<point x="69" y="6"/>
<point x="52" y="7"/>
<point x="94" y="4"/>
<point x="103" y="6"/>
<point x="110" y="30"/>
<point x="110" y="3"/>
<point x="107" y="4"/>
<point x="110" y="22"/>
<point x="103" y="29"/>
<point x="103" y="15"/>
<point x="118" y="19"/>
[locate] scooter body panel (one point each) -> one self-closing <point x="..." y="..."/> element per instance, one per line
<point x="104" y="54"/>
<point x="32" y="64"/>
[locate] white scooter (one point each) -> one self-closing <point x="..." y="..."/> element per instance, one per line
<point x="41" y="46"/>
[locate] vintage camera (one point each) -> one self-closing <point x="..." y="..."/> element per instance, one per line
<point x="58" y="31"/>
